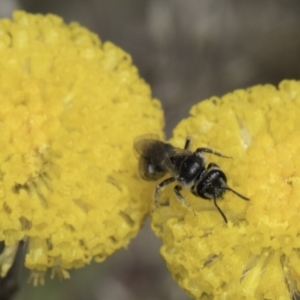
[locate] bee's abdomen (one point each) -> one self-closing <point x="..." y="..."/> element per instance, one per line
<point x="150" y="171"/>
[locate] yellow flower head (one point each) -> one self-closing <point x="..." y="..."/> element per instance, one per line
<point x="257" y="254"/>
<point x="70" y="107"/>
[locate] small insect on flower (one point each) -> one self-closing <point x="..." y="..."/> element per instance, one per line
<point x="157" y="158"/>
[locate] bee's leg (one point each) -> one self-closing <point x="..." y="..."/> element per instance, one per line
<point x="177" y="190"/>
<point x="188" y="141"/>
<point x="209" y="150"/>
<point x="161" y="186"/>
<point x="219" y="209"/>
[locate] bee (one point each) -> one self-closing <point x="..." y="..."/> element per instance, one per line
<point x="187" y="168"/>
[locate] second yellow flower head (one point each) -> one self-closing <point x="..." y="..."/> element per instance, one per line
<point x="256" y="255"/>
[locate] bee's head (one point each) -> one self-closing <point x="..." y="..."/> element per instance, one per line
<point x="212" y="185"/>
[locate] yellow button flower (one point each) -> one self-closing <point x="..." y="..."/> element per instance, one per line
<point x="257" y="254"/>
<point x="70" y="107"/>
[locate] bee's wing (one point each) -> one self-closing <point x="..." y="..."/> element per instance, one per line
<point x="151" y="147"/>
<point x="138" y="141"/>
<point x="169" y="164"/>
<point x="179" y="152"/>
<point x="159" y="153"/>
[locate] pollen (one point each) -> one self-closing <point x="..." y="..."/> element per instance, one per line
<point x="71" y="106"/>
<point x="256" y="255"/>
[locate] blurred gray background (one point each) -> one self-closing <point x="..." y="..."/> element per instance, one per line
<point x="187" y="50"/>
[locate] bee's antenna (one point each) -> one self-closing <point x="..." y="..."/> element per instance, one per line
<point x="219" y="209"/>
<point x="238" y="194"/>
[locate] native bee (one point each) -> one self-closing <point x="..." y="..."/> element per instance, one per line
<point x="187" y="168"/>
